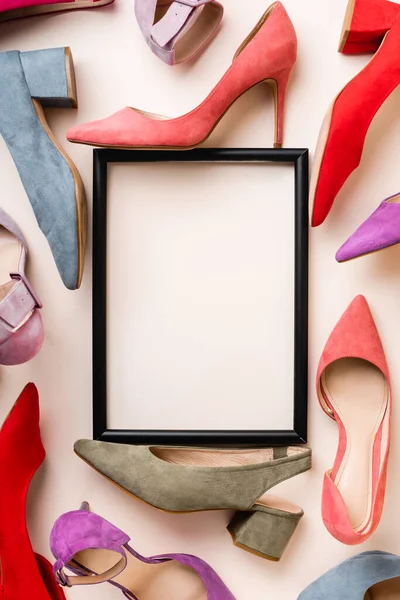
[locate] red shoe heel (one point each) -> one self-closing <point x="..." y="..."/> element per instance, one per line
<point x="346" y="124"/>
<point x="365" y="24"/>
<point x="23" y="574"/>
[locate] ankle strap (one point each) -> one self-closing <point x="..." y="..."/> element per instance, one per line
<point x="88" y="579"/>
<point x="83" y="530"/>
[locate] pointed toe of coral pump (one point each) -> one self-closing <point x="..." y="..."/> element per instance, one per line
<point x="379" y="231"/>
<point x="267" y="56"/>
<point x="353" y="387"/>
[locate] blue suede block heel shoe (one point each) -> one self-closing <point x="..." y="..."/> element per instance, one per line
<point x="29" y="81"/>
<point x="371" y="575"/>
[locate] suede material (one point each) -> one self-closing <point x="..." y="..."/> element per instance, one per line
<point x="268" y="531"/>
<point x="353" y="110"/>
<point x="46" y="571"/>
<point x="352" y="578"/>
<point x="22" y="453"/>
<point x="19" y="343"/>
<point x="53" y="88"/>
<point x="271" y="53"/>
<point x="162" y="36"/>
<point x="44" y="172"/>
<point x="175" y="487"/>
<point x="18" y="4"/>
<point x="371" y="20"/>
<point x="354" y="336"/>
<point x="79" y="530"/>
<point x="25" y="343"/>
<point x="379" y="231"/>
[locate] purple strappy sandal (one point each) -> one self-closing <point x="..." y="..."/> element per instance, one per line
<point x="77" y="532"/>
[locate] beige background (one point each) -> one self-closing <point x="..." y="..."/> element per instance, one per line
<point x="114" y="68"/>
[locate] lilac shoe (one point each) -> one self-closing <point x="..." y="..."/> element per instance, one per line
<point x="21" y="328"/>
<point x="178" y="30"/>
<point x="97" y="551"/>
<point x="379" y="231"/>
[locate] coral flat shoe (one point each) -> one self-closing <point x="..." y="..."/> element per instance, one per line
<point x="16" y="9"/>
<point x="196" y="479"/>
<point x="23" y="574"/>
<point x="343" y="132"/>
<point x="370" y="575"/>
<point x="30" y="81"/>
<point x="97" y="552"/>
<point x="379" y="231"/>
<point x="267" y="55"/>
<point x="353" y="387"/>
<point x="21" y="328"/>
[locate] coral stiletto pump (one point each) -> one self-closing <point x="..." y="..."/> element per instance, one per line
<point x="353" y="387"/>
<point x="23" y="574"/>
<point x="267" y="55"/>
<point x="346" y="124"/>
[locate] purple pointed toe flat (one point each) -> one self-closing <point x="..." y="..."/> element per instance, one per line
<point x="96" y="551"/>
<point x="21" y="328"/>
<point x="379" y="231"/>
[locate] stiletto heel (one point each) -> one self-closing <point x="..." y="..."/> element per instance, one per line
<point x="98" y="552"/>
<point x="267" y="54"/>
<point x="265" y="532"/>
<point x="278" y="87"/>
<point x="365" y="25"/>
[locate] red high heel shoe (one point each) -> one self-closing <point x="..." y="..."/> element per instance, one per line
<point x="23" y="574"/>
<point x="345" y="126"/>
<point x="365" y="25"/>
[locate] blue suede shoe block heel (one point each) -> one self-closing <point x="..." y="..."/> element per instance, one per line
<point x="371" y="575"/>
<point x="29" y="81"/>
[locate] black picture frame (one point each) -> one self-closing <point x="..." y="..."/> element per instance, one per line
<point x="298" y="435"/>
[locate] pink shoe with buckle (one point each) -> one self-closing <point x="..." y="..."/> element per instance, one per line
<point x="353" y="387"/>
<point x="21" y="327"/>
<point x="17" y="9"/>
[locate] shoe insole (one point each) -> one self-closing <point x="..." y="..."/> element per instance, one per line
<point x="195" y="33"/>
<point x="198" y="457"/>
<point x="169" y="580"/>
<point x="10" y="251"/>
<point x="386" y="590"/>
<point x="358" y="392"/>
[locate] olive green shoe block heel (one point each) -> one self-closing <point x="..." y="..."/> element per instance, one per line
<point x="192" y="479"/>
<point x="265" y="533"/>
